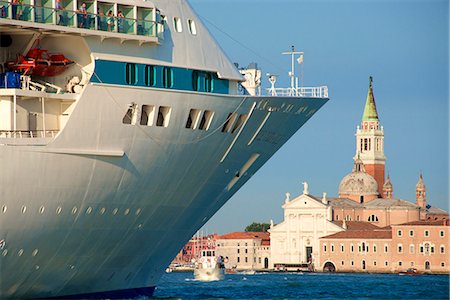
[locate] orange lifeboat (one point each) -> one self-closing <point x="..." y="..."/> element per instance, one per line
<point x="40" y="62"/>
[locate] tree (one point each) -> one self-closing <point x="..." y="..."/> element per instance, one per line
<point x="257" y="227"/>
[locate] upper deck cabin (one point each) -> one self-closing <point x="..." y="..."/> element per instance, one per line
<point x="106" y="18"/>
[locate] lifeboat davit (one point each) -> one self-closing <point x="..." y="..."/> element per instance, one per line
<point x="40" y="62"/>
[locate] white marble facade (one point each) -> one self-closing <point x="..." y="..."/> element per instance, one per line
<point x="295" y="241"/>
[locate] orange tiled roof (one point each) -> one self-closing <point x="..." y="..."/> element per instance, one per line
<point x="364" y="234"/>
<point x="357" y="225"/>
<point x="425" y="223"/>
<point x="245" y="236"/>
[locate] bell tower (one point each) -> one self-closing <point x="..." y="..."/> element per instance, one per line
<point x="370" y="141"/>
<point x="421" y="193"/>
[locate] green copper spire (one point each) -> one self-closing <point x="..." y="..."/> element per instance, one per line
<point x="370" y="111"/>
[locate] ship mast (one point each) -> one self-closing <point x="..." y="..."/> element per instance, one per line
<point x="294" y="86"/>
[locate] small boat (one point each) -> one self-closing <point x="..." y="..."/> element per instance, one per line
<point x="410" y="271"/>
<point x="209" y="268"/>
<point x="40" y="62"/>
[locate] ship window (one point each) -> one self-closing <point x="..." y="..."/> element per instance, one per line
<point x="167" y="77"/>
<point x="239" y="122"/>
<point x="138" y="211"/>
<point x="206" y="120"/>
<point x="150" y="76"/>
<point x="115" y="210"/>
<point x="58" y="210"/>
<point x="24" y="209"/>
<point x="4" y="208"/>
<point x="130" y="73"/>
<point x="131" y="114"/>
<point x="194" y="115"/>
<point x="148" y="115"/>
<point x="103" y="210"/>
<point x="196" y="81"/>
<point x="191" y="26"/>
<point x="74" y="210"/>
<point x="163" y="116"/>
<point x="229" y="122"/>
<point x="41" y="209"/>
<point x="208" y="83"/>
<point x="177" y="24"/>
<point x="126" y="212"/>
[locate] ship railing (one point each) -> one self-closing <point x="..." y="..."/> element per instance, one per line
<point x="77" y="19"/>
<point x="22" y="134"/>
<point x="311" y="92"/>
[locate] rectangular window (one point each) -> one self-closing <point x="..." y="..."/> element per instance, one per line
<point x="386" y="263"/>
<point x="441" y="233"/>
<point x="239" y="122"/>
<point x="400" y="249"/>
<point x="442" y="249"/>
<point x="148" y="115"/>
<point x="206" y="120"/>
<point x="229" y="122"/>
<point x="324" y="248"/>
<point x="399" y="233"/>
<point x="352" y="248"/>
<point x="427" y="233"/>
<point x="400" y="263"/>
<point x="332" y="248"/>
<point x="238" y="259"/>
<point x="238" y="251"/>
<point x="130" y="73"/>
<point x="254" y="259"/>
<point x="167" y="77"/>
<point x="150" y="75"/>
<point x="374" y="262"/>
<point x="385" y="248"/>
<point x="259" y="259"/>
<point x="163" y="116"/>
<point x="374" y="248"/>
<point x="411" y="233"/>
<point x="246" y="250"/>
<point x="193" y="117"/>
<point x="342" y="248"/>
<point x="246" y="259"/>
<point x="442" y="264"/>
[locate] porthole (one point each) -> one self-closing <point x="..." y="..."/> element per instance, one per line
<point x="115" y="210"/>
<point x="191" y="26"/>
<point x="41" y="209"/>
<point x="127" y="211"/>
<point x="74" y="210"/>
<point x="102" y="211"/>
<point x="5" y="252"/>
<point x="138" y="211"/>
<point x="58" y="210"/>
<point x="4" y="208"/>
<point x="89" y="210"/>
<point x="24" y="209"/>
<point x="35" y="252"/>
<point x="20" y="252"/>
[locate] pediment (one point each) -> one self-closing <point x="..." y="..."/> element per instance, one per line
<point x="304" y="202"/>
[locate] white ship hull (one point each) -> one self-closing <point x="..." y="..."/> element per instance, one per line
<point x="100" y="209"/>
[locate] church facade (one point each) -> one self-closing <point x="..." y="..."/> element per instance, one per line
<point x="365" y="209"/>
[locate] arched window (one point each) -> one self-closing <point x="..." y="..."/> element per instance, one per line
<point x="373" y="218"/>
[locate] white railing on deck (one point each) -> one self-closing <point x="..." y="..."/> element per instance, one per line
<point x="19" y="134"/>
<point x="312" y="92"/>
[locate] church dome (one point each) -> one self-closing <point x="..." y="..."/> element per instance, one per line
<point x="358" y="182"/>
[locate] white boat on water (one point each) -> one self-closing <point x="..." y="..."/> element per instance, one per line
<point x="209" y="267"/>
<point x="113" y="161"/>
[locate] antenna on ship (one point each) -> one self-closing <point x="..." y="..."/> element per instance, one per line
<point x="294" y="80"/>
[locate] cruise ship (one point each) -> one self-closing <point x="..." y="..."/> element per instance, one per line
<point x="123" y="128"/>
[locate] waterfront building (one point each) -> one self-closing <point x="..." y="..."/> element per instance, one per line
<point x="364" y="197"/>
<point x="295" y="241"/>
<point x="421" y="245"/>
<point x="244" y="250"/>
<point x="192" y="249"/>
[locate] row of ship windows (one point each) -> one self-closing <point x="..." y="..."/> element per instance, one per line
<point x="196" y="119"/>
<point x="201" y="81"/>
<point x="88" y="211"/>
<point x="178" y="27"/>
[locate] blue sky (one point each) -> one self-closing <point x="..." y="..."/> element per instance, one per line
<point x="404" y="45"/>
